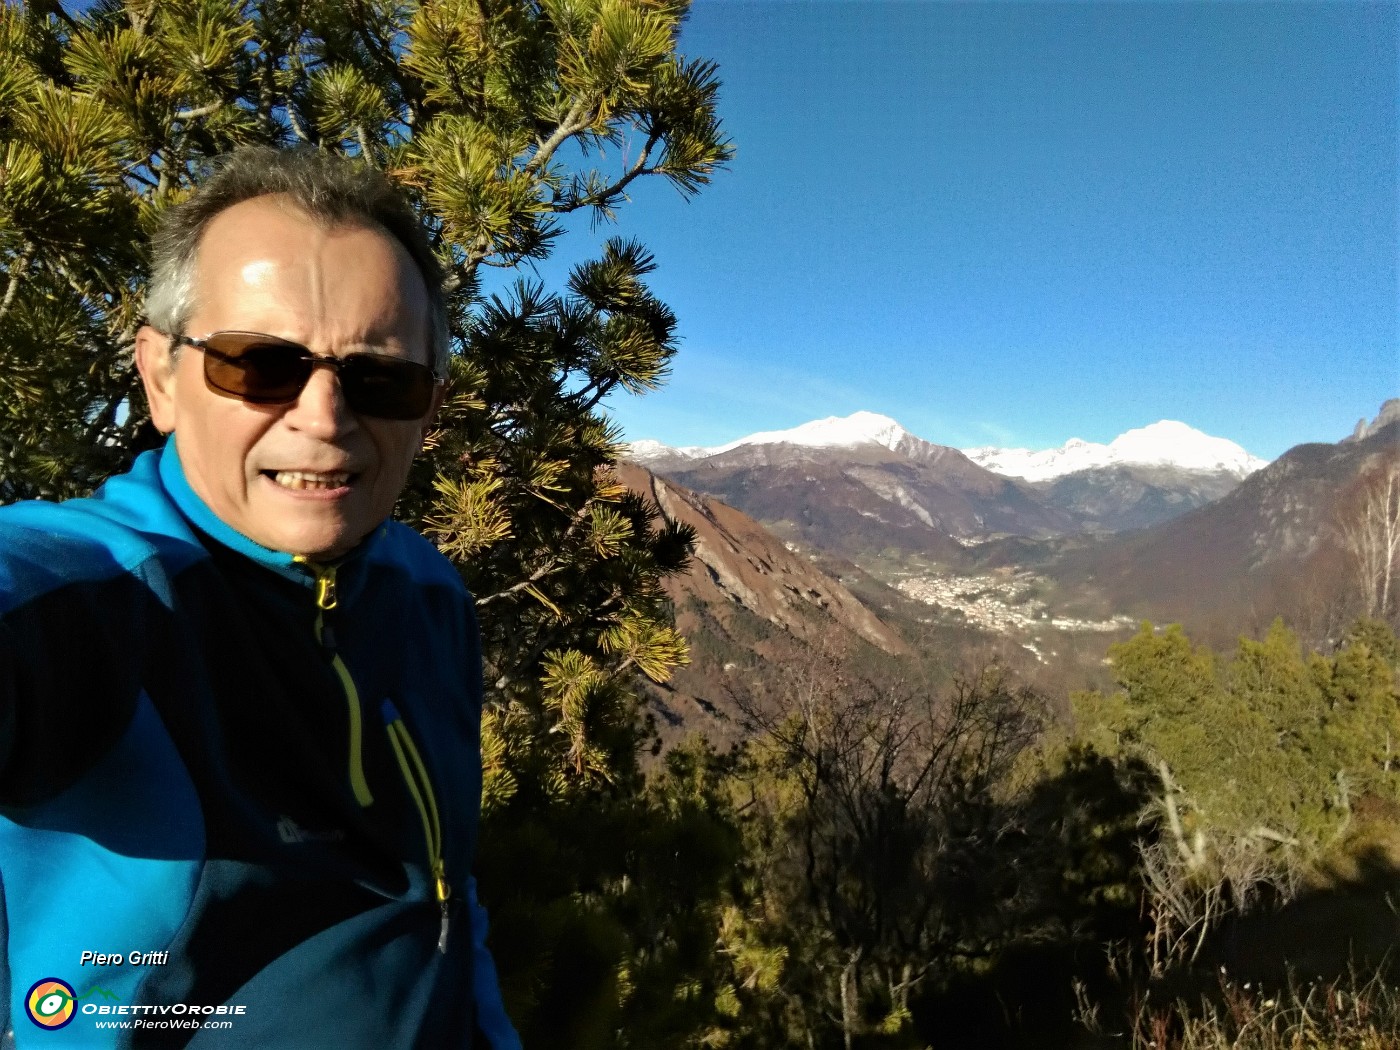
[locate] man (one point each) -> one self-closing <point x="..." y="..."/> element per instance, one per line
<point x="239" y="708"/>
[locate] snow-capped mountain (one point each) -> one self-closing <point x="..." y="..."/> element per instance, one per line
<point x="1165" y="444"/>
<point x="859" y="482"/>
<point x="860" y="428"/>
<point x="864" y="482"/>
<point x="647" y="450"/>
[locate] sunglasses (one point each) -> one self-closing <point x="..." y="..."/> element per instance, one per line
<point x="265" y="370"/>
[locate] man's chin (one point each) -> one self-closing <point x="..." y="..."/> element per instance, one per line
<point x="317" y="543"/>
<point x="324" y="550"/>
<point x="321" y="530"/>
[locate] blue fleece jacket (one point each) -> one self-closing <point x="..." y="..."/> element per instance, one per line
<point x="238" y="791"/>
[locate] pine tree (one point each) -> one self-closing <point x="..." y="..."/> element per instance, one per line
<point x="1270" y="744"/>
<point x="500" y="118"/>
<point x="1360" y="714"/>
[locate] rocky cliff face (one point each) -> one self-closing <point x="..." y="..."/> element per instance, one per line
<point x="749" y="601"/>
<point x="739" y="562"/>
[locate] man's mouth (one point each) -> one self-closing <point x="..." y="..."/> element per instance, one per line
<point x="305" y="479"/>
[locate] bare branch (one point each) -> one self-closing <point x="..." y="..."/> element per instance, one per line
<point x="547" y="569"/>
<point x="64" y="17"/>
<point x="133" y="172"/>
<point x="601" y="388"/>
<point x="198" y="111"/>
<point x="21" y="265"/>
<point x="140" y="21"/>
<point x="570" y="126"/>
<point x="297" y="129"/>
<point x="83" y="292"/>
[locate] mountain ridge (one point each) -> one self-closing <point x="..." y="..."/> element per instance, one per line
<point x="1166" y="443"/>
<point x="863" y="483"/>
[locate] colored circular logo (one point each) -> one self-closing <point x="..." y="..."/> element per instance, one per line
<point x="50" y="1003"/>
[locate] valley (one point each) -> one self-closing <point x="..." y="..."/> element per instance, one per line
<point x="854" y="535"/>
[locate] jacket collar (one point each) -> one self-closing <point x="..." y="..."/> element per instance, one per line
<point x="177" y="486"/>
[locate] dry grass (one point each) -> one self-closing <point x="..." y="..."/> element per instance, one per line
<point x="1354" y="1014"/>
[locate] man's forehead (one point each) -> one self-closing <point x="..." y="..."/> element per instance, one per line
<point x="254" y="242"/>
<point x="267" y="265"/>
<point x="257" y="271"/>
<point x="271" y="218"/>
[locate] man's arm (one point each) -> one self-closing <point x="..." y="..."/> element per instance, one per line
<point x="72" y="621"/>
<point x="7" y="723"/>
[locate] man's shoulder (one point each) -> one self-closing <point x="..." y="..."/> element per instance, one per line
<point x="123" y="529"/>
<point x="413" y="554"/>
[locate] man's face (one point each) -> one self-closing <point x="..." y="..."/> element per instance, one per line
<point x="273" y="472"/>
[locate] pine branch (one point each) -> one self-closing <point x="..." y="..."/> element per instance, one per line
<point x="65" y="17"/>
<point x="553" y="565"/>
<point x="135" y="173"/>
<point x="464" y="272"/>
<point x="141" y="22"/>
<point x="601" y="388"/>
<point x="267" y="89"/>
<point x="547" y="569"/>
<point x="601" y="197"/>
<point x="409" y="87"/>
<point x="103" y="421"/>
<point x="84" y="293"/>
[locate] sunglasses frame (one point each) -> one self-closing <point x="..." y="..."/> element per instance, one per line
<point x="352" y="392"/>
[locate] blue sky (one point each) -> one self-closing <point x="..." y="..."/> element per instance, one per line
<point x="1017" y="223"/>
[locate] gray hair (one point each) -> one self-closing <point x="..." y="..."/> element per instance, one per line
<point x="332" y="189"/>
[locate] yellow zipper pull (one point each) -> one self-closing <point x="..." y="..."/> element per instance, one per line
<point x="325" y="581"/>
<point x="443" y="892"/>
<point x="325" y="590"/>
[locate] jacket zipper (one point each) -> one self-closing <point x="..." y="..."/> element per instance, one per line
<point x="415" y="773"/>
<point x="325" y="637"/>
<point x="420" y="786"/>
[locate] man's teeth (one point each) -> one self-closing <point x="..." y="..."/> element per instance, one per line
<point x="301" y="479"/>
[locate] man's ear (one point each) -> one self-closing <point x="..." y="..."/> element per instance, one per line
<point x="157" y="368"/>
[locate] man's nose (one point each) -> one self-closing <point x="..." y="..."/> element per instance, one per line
<point x="321" y="409"/>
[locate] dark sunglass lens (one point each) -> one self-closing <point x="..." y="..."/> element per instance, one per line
<point x="256" y="370"/>
<point x="378" y="386"/>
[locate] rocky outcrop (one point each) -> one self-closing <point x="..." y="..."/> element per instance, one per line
<point x="739" y="562"/>
<point x="1389" y="413"/>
